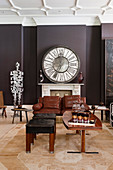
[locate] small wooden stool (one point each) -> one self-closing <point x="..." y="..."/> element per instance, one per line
<point x="20" y="110"/>
<point x="36" y="126"/>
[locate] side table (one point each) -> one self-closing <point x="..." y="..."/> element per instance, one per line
<point x="20" y="110"/>
<point x="102" y="108"/>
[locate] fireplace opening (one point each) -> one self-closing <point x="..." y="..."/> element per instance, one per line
<point x="60" y="93"/>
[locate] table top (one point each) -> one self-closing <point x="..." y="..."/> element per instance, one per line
<point x="104" y="108"/>
<point x="21" y="109"/>
<point x="68" y="116"/>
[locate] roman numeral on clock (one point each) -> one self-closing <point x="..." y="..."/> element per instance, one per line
<point x="72" y="70"/>
<point x="67" y="76"/>
<point x="50" y="71"/>
<point x="54" y="53"/>
<point x="47" y="64"/>
<point x="49" y="58"/>
<point x="75" y="64"/>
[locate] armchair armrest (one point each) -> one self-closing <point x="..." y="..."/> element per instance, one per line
<point x="37" y="106"/>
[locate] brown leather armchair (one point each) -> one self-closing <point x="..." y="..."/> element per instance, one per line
<point x="69" y="100"/>
<point x="48" y="104"/>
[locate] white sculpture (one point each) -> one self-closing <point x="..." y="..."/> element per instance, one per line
<point x="16" y="78"/>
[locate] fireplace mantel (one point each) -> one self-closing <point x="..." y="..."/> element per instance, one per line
<point x="74" y="87"/>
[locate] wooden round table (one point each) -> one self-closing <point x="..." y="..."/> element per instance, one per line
<point x="68" y="116"/>
<point x="20" y="110"/>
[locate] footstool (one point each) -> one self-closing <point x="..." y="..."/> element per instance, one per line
<point x="36" y="126"/>
<point x="46" y="116"/>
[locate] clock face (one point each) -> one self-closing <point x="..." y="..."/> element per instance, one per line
<point x="60" y="64"/>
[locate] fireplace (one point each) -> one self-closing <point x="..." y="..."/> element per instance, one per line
<point x="49" y="89"/>
<point x="60" y="93"/>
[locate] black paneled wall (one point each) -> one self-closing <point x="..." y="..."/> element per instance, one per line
<point x="10" y="53"/>
<point x="27" y="45"/>
<point x="93" y="67"/>
<point x="30" y="65"/>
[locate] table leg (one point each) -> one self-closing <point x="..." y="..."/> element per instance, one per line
<point x="51" y="142"/>
<point x="78" y="132"/>
<point x="26" y="116"/>
<point x="4" y="112"/>
<point x="101" y="114"/>
<point x="20" y="116"/>
<point x="107" y="114"/>
<point x="83" y="141"/>
<point x="14" y="116"/>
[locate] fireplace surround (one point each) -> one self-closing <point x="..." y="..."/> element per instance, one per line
<point x="46" y="88"/>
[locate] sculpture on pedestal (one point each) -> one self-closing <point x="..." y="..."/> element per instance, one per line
<point x="16" y="79"/>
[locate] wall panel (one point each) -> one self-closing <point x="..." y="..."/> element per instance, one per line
<point x="93" y="66"/>
<point x="29" y="65"/>
<point x="10" y="53"/>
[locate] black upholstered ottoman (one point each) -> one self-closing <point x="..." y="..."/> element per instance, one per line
<point x="46" y="116"/>
<point x="36" y="126"/>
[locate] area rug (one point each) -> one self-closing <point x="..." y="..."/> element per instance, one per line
<point x="13" y="155"/>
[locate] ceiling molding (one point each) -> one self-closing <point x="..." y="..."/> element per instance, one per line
<point x="56" y="12"/>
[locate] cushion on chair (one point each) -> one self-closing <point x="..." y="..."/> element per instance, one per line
<point x="37" y="106"/>
<point x="45" y="110"/>
<point x="51" y="102"/>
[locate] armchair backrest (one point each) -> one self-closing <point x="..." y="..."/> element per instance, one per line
<point x="50" y="102"/>
<point x="69" y="100"/>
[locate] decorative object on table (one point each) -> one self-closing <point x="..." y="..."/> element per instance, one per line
<point x="16" y="79"/>
<point x="41" y="76"/>
<point x="81" y="118"/>
<point x="76" y="107"/>
<point x="101" y="104"/>
<point x="93" y="107"/>
<point x="60" y="64"/>
<point x="80" y="78"/>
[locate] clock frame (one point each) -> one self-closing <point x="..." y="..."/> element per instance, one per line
<point x="60" y="64"/>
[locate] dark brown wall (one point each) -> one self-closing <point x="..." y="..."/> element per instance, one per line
<point x="10" y="53"/>
<point x="93" y="64"/>
<point x="27" y="45"/>
<point x="73" y="37"/>
<point x="107" y="31"/>
<point x="30" y="65"/>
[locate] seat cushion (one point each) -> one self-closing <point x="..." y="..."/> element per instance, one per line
<point x="64" y="110"/>
<point x="45" y="110"/>
<point x="51" y="102"/>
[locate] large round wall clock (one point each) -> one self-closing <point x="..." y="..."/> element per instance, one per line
<point x="60" y="64"/>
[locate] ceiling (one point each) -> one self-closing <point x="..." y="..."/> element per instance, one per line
<point x="56" y="12"/>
